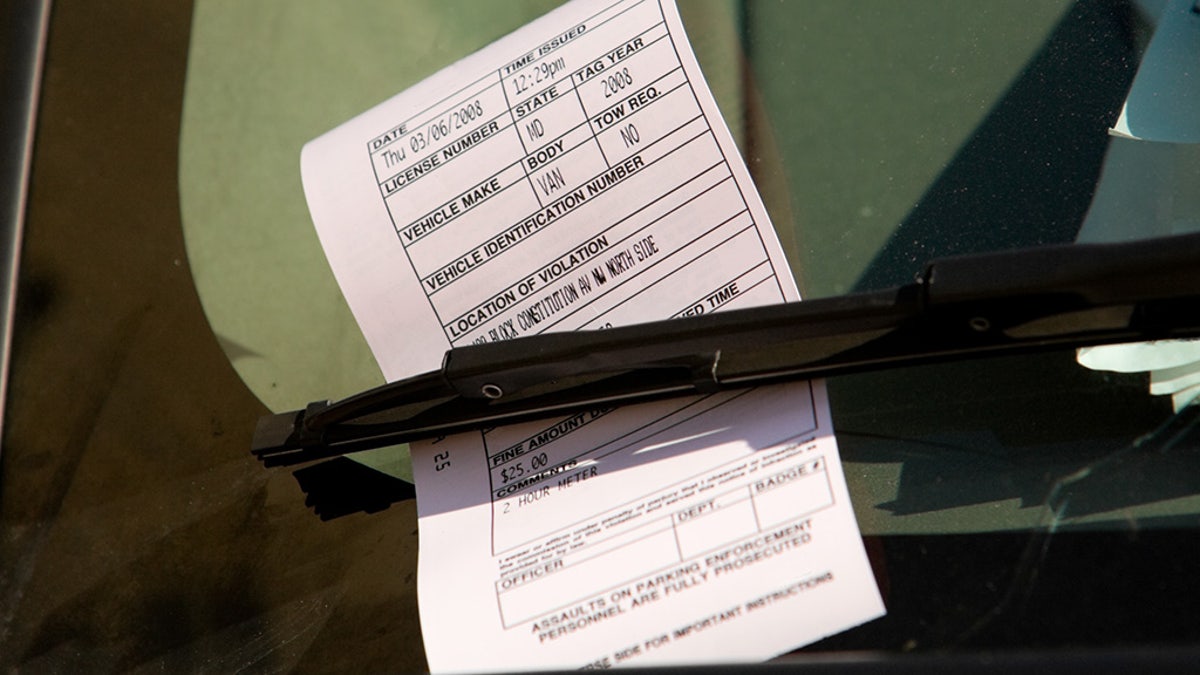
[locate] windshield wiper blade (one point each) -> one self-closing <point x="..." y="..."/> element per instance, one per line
<point x="962" y="307"/>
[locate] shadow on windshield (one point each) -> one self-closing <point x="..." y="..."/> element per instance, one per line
<point x="1026" y="176"/>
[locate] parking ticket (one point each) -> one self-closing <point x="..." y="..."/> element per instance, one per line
<point x="577" y="175"/>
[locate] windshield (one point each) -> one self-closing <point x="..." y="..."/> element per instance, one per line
<point x="172" y="291"/>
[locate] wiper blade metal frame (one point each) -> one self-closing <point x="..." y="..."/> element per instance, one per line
<point x="961" y="307"/>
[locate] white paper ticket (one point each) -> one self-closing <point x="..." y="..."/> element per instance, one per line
<point x="576" y="175"/>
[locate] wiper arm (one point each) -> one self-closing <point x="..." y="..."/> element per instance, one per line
<point x="997" y="303"/>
